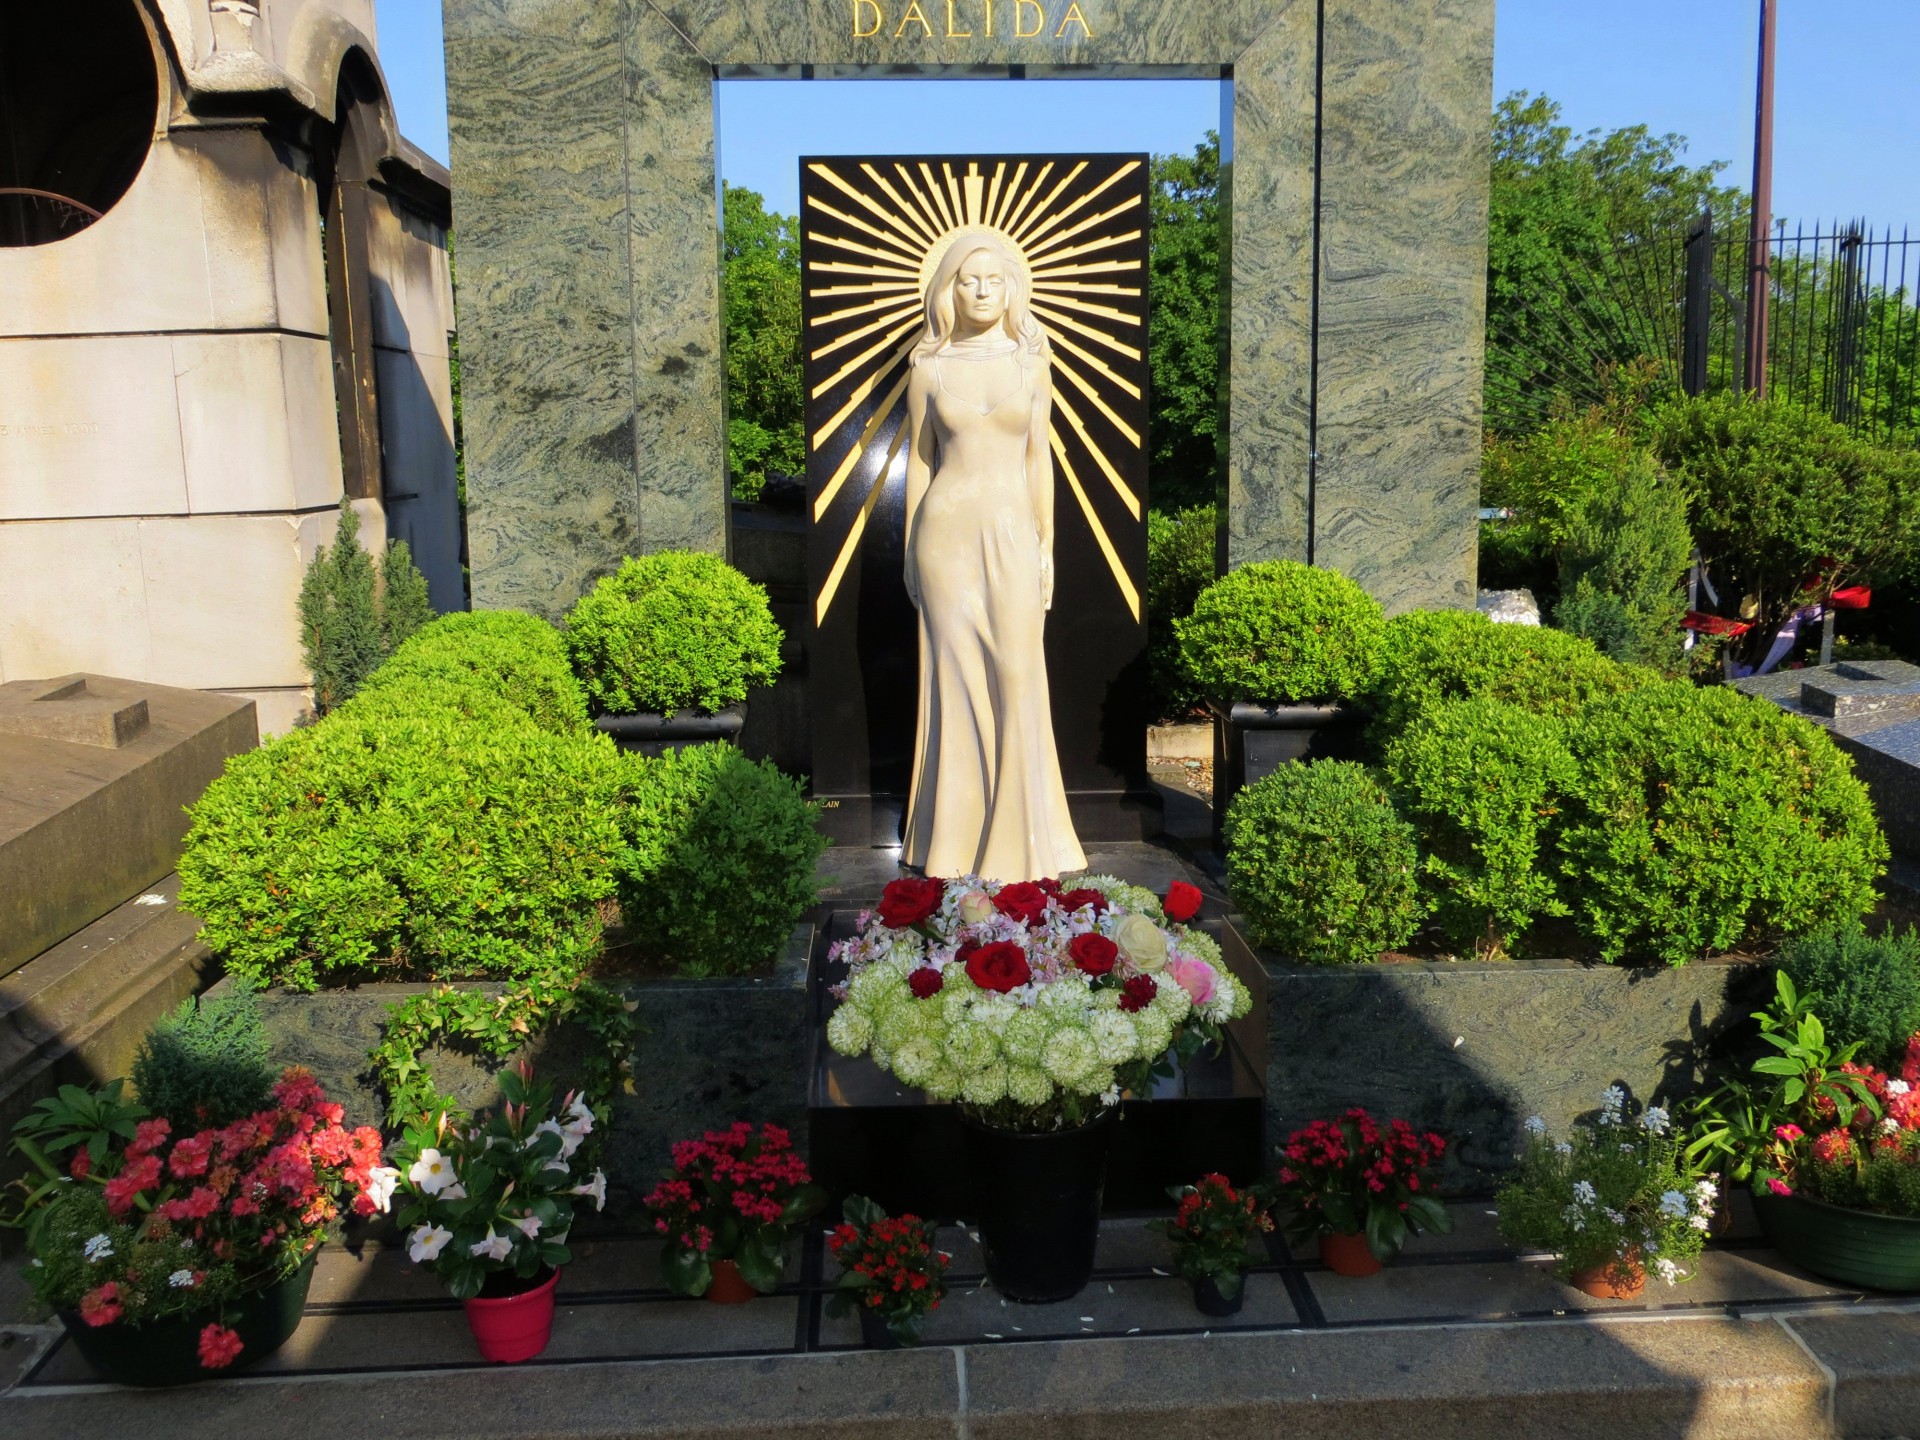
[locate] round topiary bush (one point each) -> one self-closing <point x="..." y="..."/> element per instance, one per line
<point x="1482" y="781"/>
<point x="1701" y="820"/>
<point x="1280" y="632"/>
<point x="672" y="631"/>
<point x="479" y="659"/>
<point x="402" y="839"/>
<point x="720" y="858"/>
<point x="1321" y="865"/>
<point x="1429" y="656"/>
<point x="1867" y="987"/>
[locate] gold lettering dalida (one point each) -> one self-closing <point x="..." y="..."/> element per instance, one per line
<point x="1073" y="17"/>
<point x="1020" y="8"/>
<point x="878" y="19"/>
<point x="953" y="34"/>
<point x="914" y="12"/>
<point x="987" y="5"/>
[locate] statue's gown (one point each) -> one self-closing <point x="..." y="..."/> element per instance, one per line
<point x="987" y="796"/>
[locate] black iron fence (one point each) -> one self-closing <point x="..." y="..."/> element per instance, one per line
<point x="1843" y="330"/>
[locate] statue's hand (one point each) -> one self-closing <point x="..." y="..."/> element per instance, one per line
<point x="1046" y="580"/>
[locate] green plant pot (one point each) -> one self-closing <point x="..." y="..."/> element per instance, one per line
<point x="167" y="1352"/>
<point x="1854" y="1247"/>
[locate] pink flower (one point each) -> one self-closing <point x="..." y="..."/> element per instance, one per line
<point x="1788" y="1132"/>
<point x="1779" y="1186"/>
<point x="219" y="1347"/>
<point x="1196" y="977"/>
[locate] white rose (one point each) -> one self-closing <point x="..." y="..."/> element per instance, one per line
<point x="1142" y="942"/>
<point x="975" y="908"/>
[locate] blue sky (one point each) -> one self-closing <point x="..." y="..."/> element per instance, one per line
<point x="1847" y="122"/>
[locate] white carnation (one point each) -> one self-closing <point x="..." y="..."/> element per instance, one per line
<point x="985" y="1087"/>
<point x="1027" y="1085"/>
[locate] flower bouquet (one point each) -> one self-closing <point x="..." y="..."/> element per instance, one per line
<point x="1034" y="1005"/>
<point x="1613" y="1201"/>
<point x="891" y="1274"/>
<point x="491" y="1204"/>
<point x="726" y="1209"/>
<point x="1211" y="1232"/>
<point x="1361" y="1190"/>
<point x="167" y="1256"/>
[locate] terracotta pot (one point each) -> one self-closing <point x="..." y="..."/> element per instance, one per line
<point x="515" y="1327"/>
<point x="1602" y="1283"/>
<point x="729" y="1287"/>
<point x="1348" y="1255"/>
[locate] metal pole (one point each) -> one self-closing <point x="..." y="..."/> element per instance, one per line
<point x="1760" y="256"/>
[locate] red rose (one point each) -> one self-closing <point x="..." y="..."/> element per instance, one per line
<point x="924" y="982"/>
<point x="1138" y="993"/>
<point x="1025" y="902"/>
<point x="1094" y="954"/>
<point x="1182" y="901"/>
<point x="1000" y="966"/>
<point x="1086" y="895"/>
<point x="908" y="901"/>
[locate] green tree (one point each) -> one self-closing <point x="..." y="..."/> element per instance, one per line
<point x="339" y="617"/>
<point x="760" y="306"/>
<point x="404" y="605"/>
<point x="1570" y="290"/>
<point x="1183" y="340"/>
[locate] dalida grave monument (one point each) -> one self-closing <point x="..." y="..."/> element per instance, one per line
<point x="975" y="342"/>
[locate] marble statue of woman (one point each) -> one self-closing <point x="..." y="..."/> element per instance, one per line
<point x="987" y="798"/>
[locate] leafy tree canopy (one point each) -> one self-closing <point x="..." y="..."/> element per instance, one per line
<point x="1183" y="345"/>
<point x="760" y="308"/>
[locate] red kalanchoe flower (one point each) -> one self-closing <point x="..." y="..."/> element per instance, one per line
<point x="1094" y="954"/>
<point x="1024" y="901"/>
<point x="219" y="1347"/>
<point x="925" y="982"/>
<point x="907" y="901"/>
<point x="1138" y="993"/>
<point x="101" y="1305"/>
<point x="1086" y="895"/>
<point x="1182" y="901"/>
<point x="1001" y="966"/>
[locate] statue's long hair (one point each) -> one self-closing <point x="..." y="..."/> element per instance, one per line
<point x="1018" y="322"/>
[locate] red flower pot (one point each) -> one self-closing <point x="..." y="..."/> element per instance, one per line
<point x="1348" y="1255"/>
<point x="515" y="1328"/>
<point x="729" y="1287"/>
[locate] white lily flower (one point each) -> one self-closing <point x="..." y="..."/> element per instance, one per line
<point x="579" y="1118"/>
<point x="527" y="1225"/>
<point x="455" y="1191"/>
<point x="597" y="1188"/>
<point x="494" y="1247"/>
<point x="380" y="1183"/>
<point x="432" y="1172"/>
<point x="568" y="1142"/>
<point x="427" y="1242"/>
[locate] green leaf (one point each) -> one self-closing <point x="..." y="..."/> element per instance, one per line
<point x="762" y="1259"/>
<point x="861" y="1211"/>
<point x="686" y="1271"/>
<point x="806" y="1200"/>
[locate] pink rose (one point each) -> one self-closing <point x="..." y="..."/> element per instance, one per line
<point x="1196" y="977"/>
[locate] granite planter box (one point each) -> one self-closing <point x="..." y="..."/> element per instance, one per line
<point x="654" y="734"/>
<point x="1472" y="1049"/>
<point x="709" y="1052"/>
<point x="1251" y="741"/>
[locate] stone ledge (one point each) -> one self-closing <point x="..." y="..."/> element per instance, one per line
<point x="1802" y="1375"/>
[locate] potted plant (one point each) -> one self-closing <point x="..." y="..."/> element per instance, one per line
<point x="1281" y="650"/>
<point x="1034" y="1006"/>
<point x="727" y="1209"/>
<point x="1612" y="1201"/>
<point x="1359" y="1190"/>
<point x="1830" y="1146"/>
<point x="891" y="1273"/>
<point x="1211" y="1232"/>
<point x="169" y="1255"/>
<point x="492" y="1202"/>
<point x="667" y="646"/>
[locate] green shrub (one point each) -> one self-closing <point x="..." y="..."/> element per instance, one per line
<point x="672" y="631"/>
<point x="402" y="839"/>
<point x="720" y="859"/>
<point x="339" y="616"/>
<point x="404" y="603"/>
<point x="1179" y="566"/>
<point x="1321" y="865"/>
<point x="1867" y="986"/>
<point x="1623" y="557"/>
<point x="1428" y="656"/>
<point x="206" y="1064"/>
<point x="1787" y="504"/>
<point x="1549" y="475"/>
<point x="1280" y="631"/>
<point x="1481" y="780"/>
<point x="1700" y="820"/>
<point x="478" y="660"/>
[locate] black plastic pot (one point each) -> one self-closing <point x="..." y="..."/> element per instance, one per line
<point x="1209" y="1300"/>
<point x="649" y="733"/>
<point x="1250" y="742"/>
<point x="874" y="1333"/>
<point x="1038" y="1202"/>
<point x="167" y="1352"/>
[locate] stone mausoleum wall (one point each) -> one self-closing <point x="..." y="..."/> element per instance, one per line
<point x="170" y="454"/>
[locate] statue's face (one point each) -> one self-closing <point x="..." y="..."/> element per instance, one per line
<point x="980" y="289"/>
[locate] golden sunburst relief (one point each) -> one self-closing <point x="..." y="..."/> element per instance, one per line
<point x="875" y="229"/>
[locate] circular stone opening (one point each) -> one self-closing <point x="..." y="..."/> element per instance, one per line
<point x="78" y="93"/>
